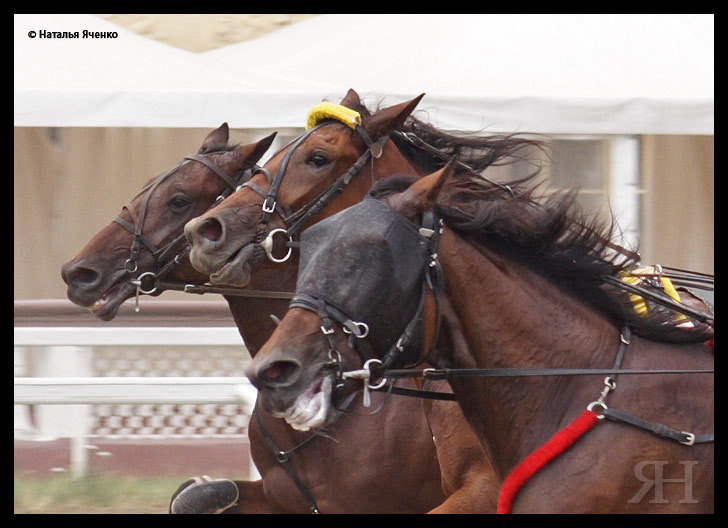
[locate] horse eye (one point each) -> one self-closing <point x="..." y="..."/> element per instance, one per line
<point x="178" y="203"/>
<point x="318" y="160"/>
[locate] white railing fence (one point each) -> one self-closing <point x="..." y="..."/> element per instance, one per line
<point x="54" y="347"/>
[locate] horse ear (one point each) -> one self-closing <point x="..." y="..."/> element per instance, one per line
<point x="351" y="100"/>
<point x="388" y="119"/>
<point x="253" y="152"/>
<point x="215" y="139"/>
<point x="422" y="195"/>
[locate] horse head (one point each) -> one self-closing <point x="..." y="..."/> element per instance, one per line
<point x="359" y="298"/>
<point x="328" y="168"/>
<point x="147" y="235"/>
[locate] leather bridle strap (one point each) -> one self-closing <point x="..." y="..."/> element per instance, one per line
<point x="296" y="221"/>
<point x="270" y="201"/>
<point x="214" y="168"/>
<point x="139" y="239"/>
<point x="283" y="457"/>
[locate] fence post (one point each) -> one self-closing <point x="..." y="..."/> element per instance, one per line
<point x="65" y="421"/>
<point x="22" y="426"/>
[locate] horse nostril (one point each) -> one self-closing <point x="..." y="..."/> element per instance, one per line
<point x="210" y="229"/>
<point x="83" y="276"/>
<point x="278" y="373"/>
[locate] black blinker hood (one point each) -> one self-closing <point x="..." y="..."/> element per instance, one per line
<point x="367" y="262"/>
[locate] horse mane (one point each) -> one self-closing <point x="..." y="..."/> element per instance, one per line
<point x="553" y="236"/>
<point x="476" y="151"/>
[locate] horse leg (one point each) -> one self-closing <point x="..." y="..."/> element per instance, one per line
<point x="468" y="479"/>
<point x="203" y="495"/>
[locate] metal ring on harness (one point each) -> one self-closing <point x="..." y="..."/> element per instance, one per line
<point x="267" y="245"/>
<point x="126" y="265"/>
<point x="138" y="283"/>
<point x="362" y="329"/>
<point x="381" y="383"/>
<point x="593" y="404"/>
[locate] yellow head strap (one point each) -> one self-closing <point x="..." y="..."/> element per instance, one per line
<point x="325" y="110"/>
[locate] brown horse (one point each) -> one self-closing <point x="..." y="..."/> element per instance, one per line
<point x="512" y="284"/>
<point x="86" y="276"/>
<point x="99" y="278"/>
<point x="325" y="170"/>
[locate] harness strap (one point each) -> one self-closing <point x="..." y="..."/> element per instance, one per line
<point x="418" y="393"/>
<point x="129" y="227"/>
<point x="664" y="300"/>
<point x="563" y="439"/>
<point x="214" y="168"/>
<point x="276" y="207"/>
<point x="683" y="437"/>
<point x="443" y="373"/>
<point x="222" y="290"/>
<point x="283" y="457"/>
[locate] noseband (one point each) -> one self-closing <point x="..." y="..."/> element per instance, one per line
<point x="295" y="220"/>
<point x="159" y="255"/>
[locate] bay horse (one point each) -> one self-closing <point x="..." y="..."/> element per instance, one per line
<point x="88" y="278"/>
<point x="102" y="276"/>
<point x="517" y="288"/>
<point x="326" y="169"/>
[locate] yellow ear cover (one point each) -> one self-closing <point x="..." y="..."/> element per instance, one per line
<point x="326" y="110"/>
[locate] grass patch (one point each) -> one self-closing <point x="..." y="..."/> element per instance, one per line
<point x="93" y="494"/>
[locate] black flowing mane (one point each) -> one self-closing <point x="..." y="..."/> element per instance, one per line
<point x="554" y="237"/>
<point x="477" y="151"/>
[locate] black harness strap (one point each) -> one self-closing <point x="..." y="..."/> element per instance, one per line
<point x="444" y="373"/>
<point x="214" y="168"/>
<point x="283" y="457"/>
<point x="661" y="430"/>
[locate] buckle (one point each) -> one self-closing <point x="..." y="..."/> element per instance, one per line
<point x="269" y="207"/>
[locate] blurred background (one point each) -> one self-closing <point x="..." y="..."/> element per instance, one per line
<point x="624" y="101"/>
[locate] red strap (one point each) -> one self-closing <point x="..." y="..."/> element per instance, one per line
<point x="542" y="456"/>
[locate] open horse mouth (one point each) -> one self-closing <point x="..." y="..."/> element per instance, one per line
<point x="106" y="305"/>
<point x="237" y="270"/>
<point x="311" y="408"/>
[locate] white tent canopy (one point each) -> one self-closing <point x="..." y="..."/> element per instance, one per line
<point x="125" y="81"/>
<point x="556" y="74"/>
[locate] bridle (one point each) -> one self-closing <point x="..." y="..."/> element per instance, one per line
<point x="295" y="220"/>
<point x="403" y="350"/>
<point x="163" y="259"/>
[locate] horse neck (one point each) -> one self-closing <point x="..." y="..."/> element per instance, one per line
<point x="515" y="318"/>
<point x="252" y="315"/>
